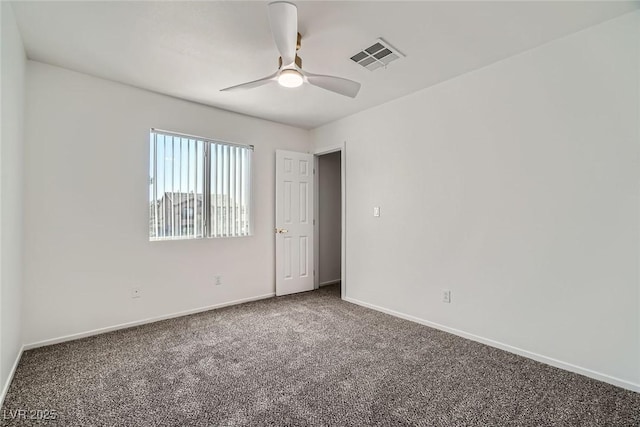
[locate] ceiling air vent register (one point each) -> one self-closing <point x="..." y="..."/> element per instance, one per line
<point x="378" y="55"/>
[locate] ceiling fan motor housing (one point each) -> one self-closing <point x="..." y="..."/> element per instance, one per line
<point x="298" y="62"/>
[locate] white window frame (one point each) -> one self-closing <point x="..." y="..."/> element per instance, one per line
<point x="211" y="148"/>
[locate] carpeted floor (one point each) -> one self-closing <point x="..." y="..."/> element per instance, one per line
<point x="307" y="359"/>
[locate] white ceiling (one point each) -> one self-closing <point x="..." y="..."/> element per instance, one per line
<point x="191" y="50"/>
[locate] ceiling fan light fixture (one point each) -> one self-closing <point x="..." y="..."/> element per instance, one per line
<point x="290" y="78"/>
<point x="283" y="19"/>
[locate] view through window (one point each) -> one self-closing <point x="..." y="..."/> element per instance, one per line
<point x="198" y="187"/>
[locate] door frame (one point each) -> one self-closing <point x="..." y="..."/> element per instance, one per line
<point x="316" y="214"/>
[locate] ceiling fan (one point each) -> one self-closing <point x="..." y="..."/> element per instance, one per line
<point x="283" y="17"/>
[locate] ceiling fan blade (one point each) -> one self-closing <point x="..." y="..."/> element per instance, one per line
<point x="251" y="85"/>
<point x="283" y="18"/>
<point x="339" y="85"/>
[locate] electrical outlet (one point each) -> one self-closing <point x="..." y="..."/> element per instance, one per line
<point x="446" y="296"/>
<point x="136" y="293"/>
<point x="218" y="280"/>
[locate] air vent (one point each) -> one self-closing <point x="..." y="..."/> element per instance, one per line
<point x="378" y="55"/>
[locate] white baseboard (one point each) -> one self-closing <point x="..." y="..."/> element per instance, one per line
<point x="537" y="357"/>
<point x="142" y="322"/>
<point x="5" y="387"/>
<point x="330" y="282"/>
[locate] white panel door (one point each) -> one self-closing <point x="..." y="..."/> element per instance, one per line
<point x="294" y="222"/>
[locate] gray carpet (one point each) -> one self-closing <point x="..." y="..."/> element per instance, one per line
<point x="307" y="359"/>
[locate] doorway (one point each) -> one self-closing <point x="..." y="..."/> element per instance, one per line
<point x="301" y="264"/>
<point x="329" y="224"/>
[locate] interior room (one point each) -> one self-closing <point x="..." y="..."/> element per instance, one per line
<point x="320" y="213"/>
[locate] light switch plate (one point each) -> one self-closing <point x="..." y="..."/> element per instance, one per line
<point x="446" y="296"/>
<point x="376" y="211"/>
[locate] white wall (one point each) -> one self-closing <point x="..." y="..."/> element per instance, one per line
<point x="12" y="93"/>
<point x="86" y="205"/>
<point x="516" y="187"/>
<point x="329" y="217"/>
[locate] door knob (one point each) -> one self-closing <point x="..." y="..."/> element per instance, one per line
<point x="281" y="230"/>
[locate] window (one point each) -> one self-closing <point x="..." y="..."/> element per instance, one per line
<point x="198" y="187"/>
